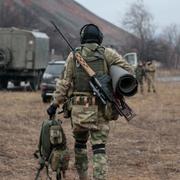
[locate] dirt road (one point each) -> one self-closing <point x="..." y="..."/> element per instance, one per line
<point x="147" y="148"/>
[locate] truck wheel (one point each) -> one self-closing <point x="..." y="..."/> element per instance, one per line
<point x="3" y="83"/>
<point x="5" y="56"/>
<point x="34" y="85"/>
<point x="36" y="81"/>
<point x="17" y="83"/>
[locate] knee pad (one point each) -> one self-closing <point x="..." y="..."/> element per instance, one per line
<point x="80" y="144"/>
<point x="98" y="149"/>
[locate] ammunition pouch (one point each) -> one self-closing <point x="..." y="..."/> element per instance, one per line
<point x="79" y="98"/>
<point x="109" y="110"/>
<point x="84" y="100"/>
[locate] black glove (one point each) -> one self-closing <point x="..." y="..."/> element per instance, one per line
<point x="51" y="110"/>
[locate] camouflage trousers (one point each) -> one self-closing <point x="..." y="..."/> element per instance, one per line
<point x="97" y="134"/>
<point x="141" y="85"/>
<point x="151" y="82"/>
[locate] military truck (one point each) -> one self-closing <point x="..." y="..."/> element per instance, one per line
<point x="24" y="56"/>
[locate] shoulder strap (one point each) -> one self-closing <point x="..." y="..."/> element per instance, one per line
<point x="40" y="141"/>
<point x="84" y="65"/>
<point x="106" y="65"/>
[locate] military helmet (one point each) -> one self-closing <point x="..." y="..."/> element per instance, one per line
<point x="90" y="33"/>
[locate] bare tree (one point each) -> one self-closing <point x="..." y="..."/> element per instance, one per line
<point x="171" y="35"/>
<point x="138" y="20"/>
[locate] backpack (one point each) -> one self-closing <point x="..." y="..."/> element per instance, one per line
<point x="53" y="148"/>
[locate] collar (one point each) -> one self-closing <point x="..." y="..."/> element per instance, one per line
<point x="92" y="46"/>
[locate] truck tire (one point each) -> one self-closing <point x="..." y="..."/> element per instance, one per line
<point x="3" y="84"/>
<point x="17" y="83"/>
<point x="5" y="56"/>
<point x="36" y="81"/>
<point x="34" y="84"/>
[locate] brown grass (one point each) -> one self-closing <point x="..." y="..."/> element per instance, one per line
<point x="168" y="72"/>
<point x="147" y="148"/>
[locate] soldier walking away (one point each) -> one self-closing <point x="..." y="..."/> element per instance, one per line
<point x="140" y="75"/>
<point x="150" y="75"/>
<point x="87" y="112"/>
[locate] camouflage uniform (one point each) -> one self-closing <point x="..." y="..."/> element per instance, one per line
<point x="88" y="117"/>
<point x="150" y="76"/>
<point x="140" y="75"/>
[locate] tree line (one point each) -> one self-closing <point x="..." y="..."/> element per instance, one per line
<point x="164" y="47"/>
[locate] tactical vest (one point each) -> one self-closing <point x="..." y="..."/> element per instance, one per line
<point x="96" y="60"/>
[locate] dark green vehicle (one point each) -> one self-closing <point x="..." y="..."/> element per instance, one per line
<point x="24" y="56"/>
<point x="53" y="71"/>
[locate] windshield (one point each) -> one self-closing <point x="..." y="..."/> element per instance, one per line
<point x="54" y="69"/>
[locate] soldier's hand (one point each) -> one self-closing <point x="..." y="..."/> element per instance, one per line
<point x="51" y="110"/>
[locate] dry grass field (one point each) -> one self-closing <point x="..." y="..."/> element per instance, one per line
<point x="147" y="148"/>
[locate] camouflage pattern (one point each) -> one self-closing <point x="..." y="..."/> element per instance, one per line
<point x="140" y="75"/>
<point x="52" y="146"/>
<point x="99" y="160"/>
<point x="96" y="61"/>
<point x="60" y="159"/>
<point x="88" y="118"/>
<point x="150" y="76"/>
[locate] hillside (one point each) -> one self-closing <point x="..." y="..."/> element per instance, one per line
<point x="68" y="14"/>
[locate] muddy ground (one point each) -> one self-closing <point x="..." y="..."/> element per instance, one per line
<point x="147" y="148"/>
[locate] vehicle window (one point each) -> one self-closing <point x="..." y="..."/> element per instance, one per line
<point x="130" y="59"/>
<point x="54" y="69"/>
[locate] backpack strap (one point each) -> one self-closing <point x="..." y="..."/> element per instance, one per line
<point x="106" y="65"/>
<point x="78" y="58"/>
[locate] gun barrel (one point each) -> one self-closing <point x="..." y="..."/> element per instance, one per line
<point x="58" y="30"/>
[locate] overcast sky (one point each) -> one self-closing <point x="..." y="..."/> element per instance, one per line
<point x="165" y="12"/>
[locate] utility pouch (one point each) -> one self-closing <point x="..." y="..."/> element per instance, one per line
<point x="85" y="116"/>
<point x="60" y="159"/>
<point x="56" y="135"/>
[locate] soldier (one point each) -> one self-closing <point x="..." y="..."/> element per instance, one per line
<point x="87" y="112"/>
<point x="140" y="75"/>
<point x="150" y="75"/>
